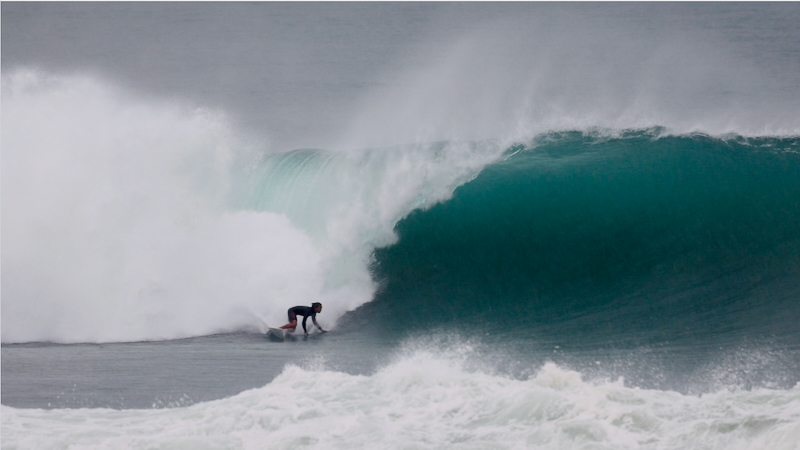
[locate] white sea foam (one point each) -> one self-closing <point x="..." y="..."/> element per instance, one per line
<point x="425" y="401"/>
<point x="128" y="218"/>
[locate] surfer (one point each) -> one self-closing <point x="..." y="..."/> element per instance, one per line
<point x="304" y="311"/>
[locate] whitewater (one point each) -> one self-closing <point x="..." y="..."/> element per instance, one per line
<point x="528" y="228"/>
<point x="425" y="401"/>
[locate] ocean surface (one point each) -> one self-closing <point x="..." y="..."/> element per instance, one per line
<point x="545" y="226"/>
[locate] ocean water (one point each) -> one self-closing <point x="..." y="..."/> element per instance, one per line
<point x="530" y="225"/>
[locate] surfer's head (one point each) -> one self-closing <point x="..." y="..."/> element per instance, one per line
<point x="316" y="306"/>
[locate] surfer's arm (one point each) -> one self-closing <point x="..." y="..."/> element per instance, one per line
<point x="314" y="318"/>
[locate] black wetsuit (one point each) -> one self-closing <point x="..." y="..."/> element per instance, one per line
<point x="304" y="311"/>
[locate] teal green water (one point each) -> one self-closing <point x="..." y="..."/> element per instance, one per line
<point x="629" y="240"/>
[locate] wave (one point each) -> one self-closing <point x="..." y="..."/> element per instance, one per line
<point x="431" y="399"/>
<point x="130" y="218"/>
<point x="631" y="238"/>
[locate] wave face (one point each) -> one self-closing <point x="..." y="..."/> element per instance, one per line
<point x="632" y="238"/>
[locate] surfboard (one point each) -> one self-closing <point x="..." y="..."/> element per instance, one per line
<point x="279" y="333"/>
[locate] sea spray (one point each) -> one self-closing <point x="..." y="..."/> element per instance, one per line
<point x="115" y="222"/>
<point x="138" y="219"/>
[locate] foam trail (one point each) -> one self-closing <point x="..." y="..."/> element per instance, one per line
<point x="132" y="219"/>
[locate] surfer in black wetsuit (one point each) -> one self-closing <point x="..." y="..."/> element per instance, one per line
<point x="304" y="311"/>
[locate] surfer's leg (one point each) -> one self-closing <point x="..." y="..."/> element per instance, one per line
<point x="292" y="321"/>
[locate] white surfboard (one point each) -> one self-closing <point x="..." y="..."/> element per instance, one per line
<point x="279" y="333"/>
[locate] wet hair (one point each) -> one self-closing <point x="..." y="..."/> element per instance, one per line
<point x="315" y="304"/>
